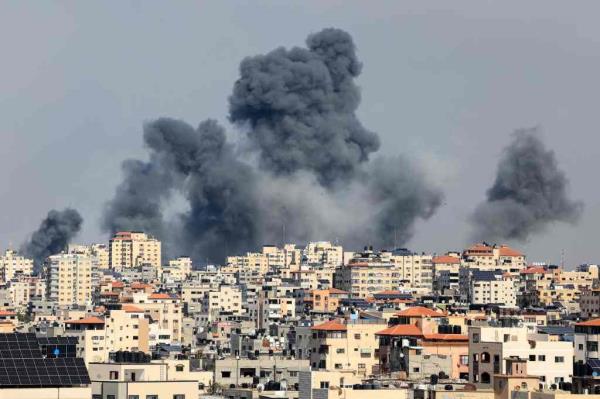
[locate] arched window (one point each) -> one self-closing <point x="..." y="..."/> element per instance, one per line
<point x="485" y="357"/>
<point x="485" y="378"/>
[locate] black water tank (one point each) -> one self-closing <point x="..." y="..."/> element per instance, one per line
<point x="434" y="379"/>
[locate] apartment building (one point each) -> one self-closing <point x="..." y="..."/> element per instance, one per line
<point x="69" y="279"/>
<point x="178" y="269"/>
<point x="487" y="286"/>
<point x="589" y="303"/>
<point x="13" y="264"/>
<point x="490" y="346"/>
<point x="587" y="356"/>
<point x="323" y="253"/>
<point x="415" y="271"/>
<point x="251" y="262"/>
<point x="138" y="378"/>
<point x="166" y="310"/>
<point x="225" y="299"/>
<point x="326" y="301"/>
<point x="22" y="290"/>
<point x="492" y="257"/>
<point x="446" y="270"/>
<point x="132" y="249"/>
<point x="338" y="345"/>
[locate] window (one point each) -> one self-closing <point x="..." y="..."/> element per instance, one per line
<point x="338" y="365"/>
<point x="464" y="360"/>
<point x="356" y="336"/>
<point x="592" y="346"/>
<point x="110" y="396"/>
<point x="179" y="367"/>
<point x="559" y="359"/>
<point x="151" y="396"/>
<point x="324" y="384"/>
<point x="340" y="350"/>
<point x="114" y="375"/>
<point x="541" y="358"/>
<point x="133" y="397"/>
<point x="532" y="358"/>
<point x="225" y="374"/>
<point x="179" y="396"/>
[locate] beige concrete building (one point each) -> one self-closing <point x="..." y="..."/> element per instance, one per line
<point x="12" y="264"/>
<point x="164" y="309"/>
<point x="132" y="249"/>
<point x="226" y="299"/>
<point x="338" y="345"/>
<point x="493" y="257"/>
<point x="363" y="279"/>
<point x="139" y="381"/>
<point x="489" y="347"/>
<point x="69" y="279"/>
<point x="324" y="253"/>
<point x="178" y="269"/>
<point x="319" y="384"/>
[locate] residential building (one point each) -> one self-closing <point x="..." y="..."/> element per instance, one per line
<point x="13" y="264"/>
<point x="132" y="249"/>
<point x="69" y="279"/>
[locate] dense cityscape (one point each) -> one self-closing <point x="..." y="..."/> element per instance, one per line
<point x="315" y="321"/>
<point x="299" y="200"/>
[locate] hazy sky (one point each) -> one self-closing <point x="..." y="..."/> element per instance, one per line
<point x="443" y="82"/>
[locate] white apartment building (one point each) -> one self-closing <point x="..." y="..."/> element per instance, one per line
<point x="489" y="347"/>
<point x="12" y="264"/>
<point x="493" y="257"/>
<point x="133" y="248"/>
<point x="227" y="299"/>
<point x="178" y="269"/>
<point x="487" y="286"/>
<point x="324" y="253"/>
<point x="69" y="279"/>
<point x="415" y="271"/>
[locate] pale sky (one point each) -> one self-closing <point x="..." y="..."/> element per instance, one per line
<point x="443" y="82"/>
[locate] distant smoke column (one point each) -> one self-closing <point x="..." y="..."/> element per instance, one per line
<point x="53" y="235"/>
<point x="529" y="192"/>
<point x="299" y="105"/>
<point x="220" y="189"/>
<point x="137" y="204"/>
<point x="400" y="195"/>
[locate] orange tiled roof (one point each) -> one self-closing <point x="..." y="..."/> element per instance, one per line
<point x="589" y="323"/>
<point x="131" y="309"/>
<point x="7" y="313"/>
<point x="86" y="320"/>
<point x="508" y="251"/>
<point x="419" y="311"/>
<point x="388" y="292"/>
<point x="533" y="270"/>
<point x="447" y="337"/>
<point x="117" y="284"/>
<point x="401" y="330"/>
<point x="331" y="325"/>
<point x="446" y="259"/>
<point x="137" y="285"/>
<point x="160" y="295"/>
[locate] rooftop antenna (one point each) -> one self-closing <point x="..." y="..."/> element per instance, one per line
<point x="283" y="233"/>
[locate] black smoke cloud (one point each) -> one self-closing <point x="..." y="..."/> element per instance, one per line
<point x="53" y="235"/>
<point x="305" y="173"/>
<point x="300" y="104"/>
<point x="529" y="193"/>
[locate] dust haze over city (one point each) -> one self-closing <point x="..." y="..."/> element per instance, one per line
<point x="298" y="200"/>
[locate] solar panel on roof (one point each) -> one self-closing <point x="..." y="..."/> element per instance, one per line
<point x="22" y="363"/>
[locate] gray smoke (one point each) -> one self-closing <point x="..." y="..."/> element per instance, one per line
<point x="313" y="180"/>
<point x="53" y="235"/>
<point x="529" y="193"/>
<point x="299" y="105"/>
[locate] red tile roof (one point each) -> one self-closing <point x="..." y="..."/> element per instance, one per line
<point x="507" y="251"/>
<point x="419" y="311"/>
<point x="117" y="284"/>
<point x="86" y="320"/>
<point x="7" y="313"/>
<point x="533" y="270"/>
<point x="337" y="291"/>
<point x="331" y="325"/>
<point x="446" y="259"/>
<point x="447" y="337"/>
<point x="401" y="330"/>
<point x="589" y="323"/>
<point x="131" y="309"/>
<point x="161" y="295"/>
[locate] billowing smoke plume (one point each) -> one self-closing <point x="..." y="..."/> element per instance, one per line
<point x="529" y="193"/>
<point x="53" y="235"/>
<point x="299" y="105"/>
<point x="313" y="179"/>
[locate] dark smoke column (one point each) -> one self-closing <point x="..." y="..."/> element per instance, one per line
<point x="299" y="105"/>
<point x="529" y="193"/>
<point x="53" y="235"/>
